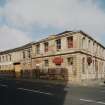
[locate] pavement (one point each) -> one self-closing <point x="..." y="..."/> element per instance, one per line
<point x="18" y="92"/>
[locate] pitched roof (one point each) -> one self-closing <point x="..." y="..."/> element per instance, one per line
<point x="49" y="38"/>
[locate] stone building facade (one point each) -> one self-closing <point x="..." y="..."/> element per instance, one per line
<point x="14" y="60"/>
<point x="79" y="54"/>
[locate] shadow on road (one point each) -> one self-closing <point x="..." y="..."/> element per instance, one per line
<point x="11" y="95"/>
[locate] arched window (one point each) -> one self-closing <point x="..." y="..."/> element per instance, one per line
<point x="89" y="45"/>
<point x="83" y="43"/>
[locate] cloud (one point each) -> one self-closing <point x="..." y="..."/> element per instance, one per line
<point x="10" y="38"/>
<point x="64" y="14"/>
<point x="61" y="14"/>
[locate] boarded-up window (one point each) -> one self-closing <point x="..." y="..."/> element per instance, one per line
<point x="70" y="42"/>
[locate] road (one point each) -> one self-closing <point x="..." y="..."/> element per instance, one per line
<point x="15" y="92"/>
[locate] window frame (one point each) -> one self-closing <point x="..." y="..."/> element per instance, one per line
<point x="38" y="49"/>
<point x="46" y="45"/>
<point x="70" y="61"/>
<point x="58" y="44"/>
<point x="83" y="65"/>
<point x="46" y="62"/>
<point x="24" y="56"/>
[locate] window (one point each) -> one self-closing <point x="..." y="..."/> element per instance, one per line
<point x="101" y="67"/>
<point x="83" y="43"/>
<point x="96" y="49"/>
<point x="3" y="58"/>
<point x="93" y="47"/>
<point x="93" y="44"/>
<point x="96" y="66"/>
<point x="38" y="49"/>
<point x="89" y="45"/>
<point x="70" y="42"/>
<point x="10" y="57"/>
<point x="70" y="60"/>
<point x="6" y="57"/>
<point x="83" y="65"/>
<point x="23" y="54"/>
<point x="58" y="43"/>
<point x="29" y="53"/>
<point x="46" y="63"/>
<point x="46" y="47"/>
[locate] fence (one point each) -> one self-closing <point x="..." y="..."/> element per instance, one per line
<point x="51" y="74"/>
<point x="7" y="73"/>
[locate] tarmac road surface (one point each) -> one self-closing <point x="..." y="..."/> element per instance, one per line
<point x="16" y="92"/>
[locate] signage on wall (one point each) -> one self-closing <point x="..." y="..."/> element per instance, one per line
<point x="89" y="60"/>
<point x="58" y="60"/>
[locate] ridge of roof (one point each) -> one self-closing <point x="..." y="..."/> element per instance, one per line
<point x="59" y="34"/>
<point x="80" y="31"/>
<point x="17" y="48"/>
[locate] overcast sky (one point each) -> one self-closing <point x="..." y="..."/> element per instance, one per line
<point x="23" y="21"/>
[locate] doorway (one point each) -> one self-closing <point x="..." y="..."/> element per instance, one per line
<point x="17" y="68"/>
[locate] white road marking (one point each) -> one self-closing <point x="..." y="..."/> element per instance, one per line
<point x="3" y="85"/>
<point x="87" y="100"/>
<point x="103" y="91"/>
<point x="101" y="102"/>
<point x="35" y="91"/>
<point x="93" y="101"/>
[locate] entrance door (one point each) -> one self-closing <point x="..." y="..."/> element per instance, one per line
<point x="17" y="67"/>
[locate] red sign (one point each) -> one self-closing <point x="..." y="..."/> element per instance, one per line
<point x="89" y="60"/>
<point x="57" y="60"/>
